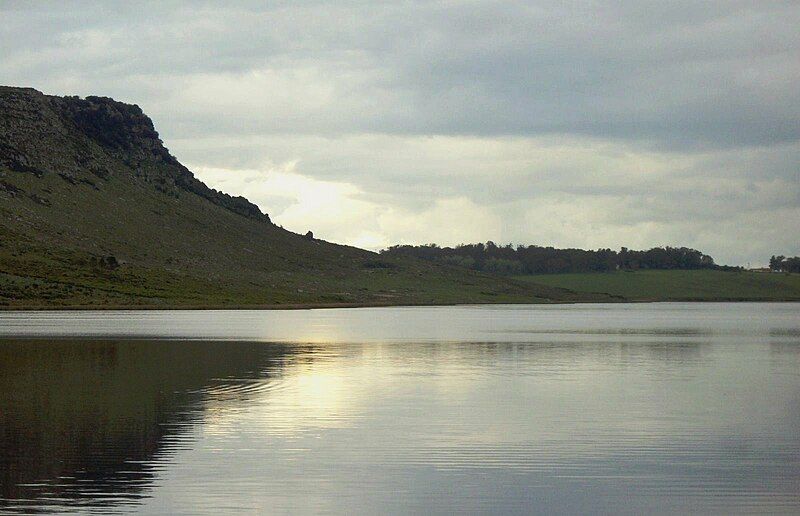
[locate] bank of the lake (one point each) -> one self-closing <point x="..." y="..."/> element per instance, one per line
<point x="601" y="287"/>
<point x="678" y="285"/>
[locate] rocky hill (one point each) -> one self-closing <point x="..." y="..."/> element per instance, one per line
<point x="95" y="211"/>
<point x="85" y="140"/>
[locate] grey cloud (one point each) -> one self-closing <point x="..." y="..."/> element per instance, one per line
<point x="679" y="73"/>
<point x="417" y="171"/>
<point x="670" y="120"/>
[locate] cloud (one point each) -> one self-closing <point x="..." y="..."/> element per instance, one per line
<point x="716" y="74"/>
<point x="572" y="123"/>
<point x="546" y="191"/>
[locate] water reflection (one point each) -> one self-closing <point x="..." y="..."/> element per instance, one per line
<point x="90" y="422"/>
<point x="638" y="420"/>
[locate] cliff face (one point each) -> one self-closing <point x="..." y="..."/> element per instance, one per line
<point x="88" y="140"/>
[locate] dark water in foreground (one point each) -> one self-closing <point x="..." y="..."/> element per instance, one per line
<point x="663" y="408"/>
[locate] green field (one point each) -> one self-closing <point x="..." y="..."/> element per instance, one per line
<point x="694" y="285"/>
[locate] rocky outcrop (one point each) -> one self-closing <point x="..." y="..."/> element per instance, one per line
<point x="81" y="140"/>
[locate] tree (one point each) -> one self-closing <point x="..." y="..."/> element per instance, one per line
<point x="533" y="259"/>
<point x="775" y="262"/>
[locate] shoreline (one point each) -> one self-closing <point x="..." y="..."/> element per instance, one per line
<point x="321" y="306"/>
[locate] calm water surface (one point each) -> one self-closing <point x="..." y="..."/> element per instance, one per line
<point x="660" y="408"/>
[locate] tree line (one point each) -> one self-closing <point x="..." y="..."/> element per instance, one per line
<point x="784" y="264"/>
<point x="533" y="259"/>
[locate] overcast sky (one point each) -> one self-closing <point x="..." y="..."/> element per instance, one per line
<point x="566" y="123"/>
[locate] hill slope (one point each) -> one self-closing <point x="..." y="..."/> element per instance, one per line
<point x="94" y="211"/>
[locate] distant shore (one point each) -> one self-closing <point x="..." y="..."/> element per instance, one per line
<point x="648" y="286"/>
<point x="320" y="306"/>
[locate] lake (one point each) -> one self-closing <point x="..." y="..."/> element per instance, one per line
<point x="620" y="408"/>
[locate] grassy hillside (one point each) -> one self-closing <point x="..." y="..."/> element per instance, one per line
<point x="671" y="285"/>
<point x="94" y="211"/>
<point x="193" y="253"/>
